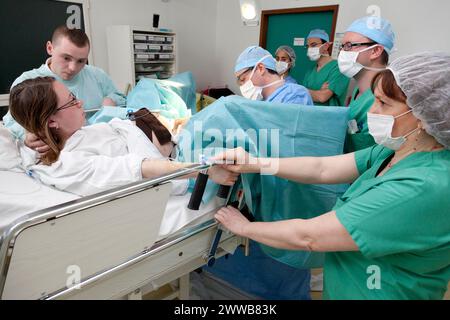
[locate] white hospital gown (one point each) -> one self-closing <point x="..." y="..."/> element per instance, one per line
<point x="98" y="158"/>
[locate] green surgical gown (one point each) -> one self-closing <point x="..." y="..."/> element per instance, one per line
<point x="338" y="83"/>
<point x="401" y="224"/>
<point x="358" y="111"/>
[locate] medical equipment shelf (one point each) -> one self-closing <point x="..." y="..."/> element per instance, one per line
<point x="155" y="62"/>
<point x="132" y="49"/>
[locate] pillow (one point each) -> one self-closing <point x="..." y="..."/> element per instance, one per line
<point x="9" y="153"/>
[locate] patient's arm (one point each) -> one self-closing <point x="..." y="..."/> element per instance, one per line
<point x="156" y="168"/>
<point x="307" y="170"/>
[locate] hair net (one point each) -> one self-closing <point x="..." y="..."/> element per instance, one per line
<point x="251" y="56"/>
<point x="318" y="33"/>
<point x="425" y="80"/>
<point x="291" y="53"/>
<point x="377" y="29"/>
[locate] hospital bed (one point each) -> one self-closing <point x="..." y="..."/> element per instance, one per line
<point x="118" y="244"/>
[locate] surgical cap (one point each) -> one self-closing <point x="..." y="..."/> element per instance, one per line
<point x="318" y="33"/>
<point x="251" y="56"/>
<point x="425" y="80"/>
<point x="377" y="29"/>
<point x="290" y="52"/>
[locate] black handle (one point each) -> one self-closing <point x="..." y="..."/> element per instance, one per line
<point x="223" y="192"/>
<point x="197" y="193"/>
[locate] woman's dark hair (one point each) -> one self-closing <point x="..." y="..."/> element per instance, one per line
<point x="148" y="123"/>
<point x="31" y="104"/>
<point x="389" y="86"/>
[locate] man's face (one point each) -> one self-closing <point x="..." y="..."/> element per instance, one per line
<point x="67" y="59"/>
<point x="258" y="77"/>
<point x="359" y="43"/>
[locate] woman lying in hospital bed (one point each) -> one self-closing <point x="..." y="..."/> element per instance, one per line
<point x="87" y="160"/>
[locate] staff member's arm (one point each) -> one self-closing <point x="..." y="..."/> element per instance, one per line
<point x="306" y="170"/>
<point x="322" y="95"/>
<point x="322" y="234"/>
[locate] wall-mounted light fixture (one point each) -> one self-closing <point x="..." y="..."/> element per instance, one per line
<point x="249" y="13"/>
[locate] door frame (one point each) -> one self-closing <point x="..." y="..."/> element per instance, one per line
<point x="267" y="13"/>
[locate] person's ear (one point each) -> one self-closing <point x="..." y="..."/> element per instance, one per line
<point x="376" y="52"/>
<point x="49" y="47"/>
<point x="52" y="124"/>
<point x="262" y="69"/>
<point x="325" y="48"/>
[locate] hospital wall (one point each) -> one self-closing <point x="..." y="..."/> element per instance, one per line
<point x="194" y="21"/>
<point x="211" y="34"/>
<point x="420" y="25"/>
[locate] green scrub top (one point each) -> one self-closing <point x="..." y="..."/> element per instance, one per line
<point x="338" y="83"/>
<point x="401" y="224"/>
<point x="358" y="112"/>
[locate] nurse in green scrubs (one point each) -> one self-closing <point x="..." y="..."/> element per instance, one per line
<point x="366" y="46"/>
<point x="326" y="84"/>
<point x="388" y="237"/>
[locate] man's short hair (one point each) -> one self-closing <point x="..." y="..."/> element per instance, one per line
<point x="76" y="36"/>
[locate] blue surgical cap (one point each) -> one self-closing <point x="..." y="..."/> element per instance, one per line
<point x="318" y="33"/>
<point x="376" y="29"/>
<point x="251" y="56"/>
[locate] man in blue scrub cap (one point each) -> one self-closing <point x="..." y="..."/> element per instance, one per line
<point x="69" y="51"/>
<point x="258" y="79"/>
<point x="366" y="47"/>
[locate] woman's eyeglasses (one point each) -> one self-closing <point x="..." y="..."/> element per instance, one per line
<point x="69" y="104"/>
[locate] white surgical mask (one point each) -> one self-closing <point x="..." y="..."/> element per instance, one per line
<point x="314" y="53"/>
<point x="282" y="67"/>
<point x="348" y="64"/>
<point x="252" y="92"/>
<point x="381" y="126"/>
